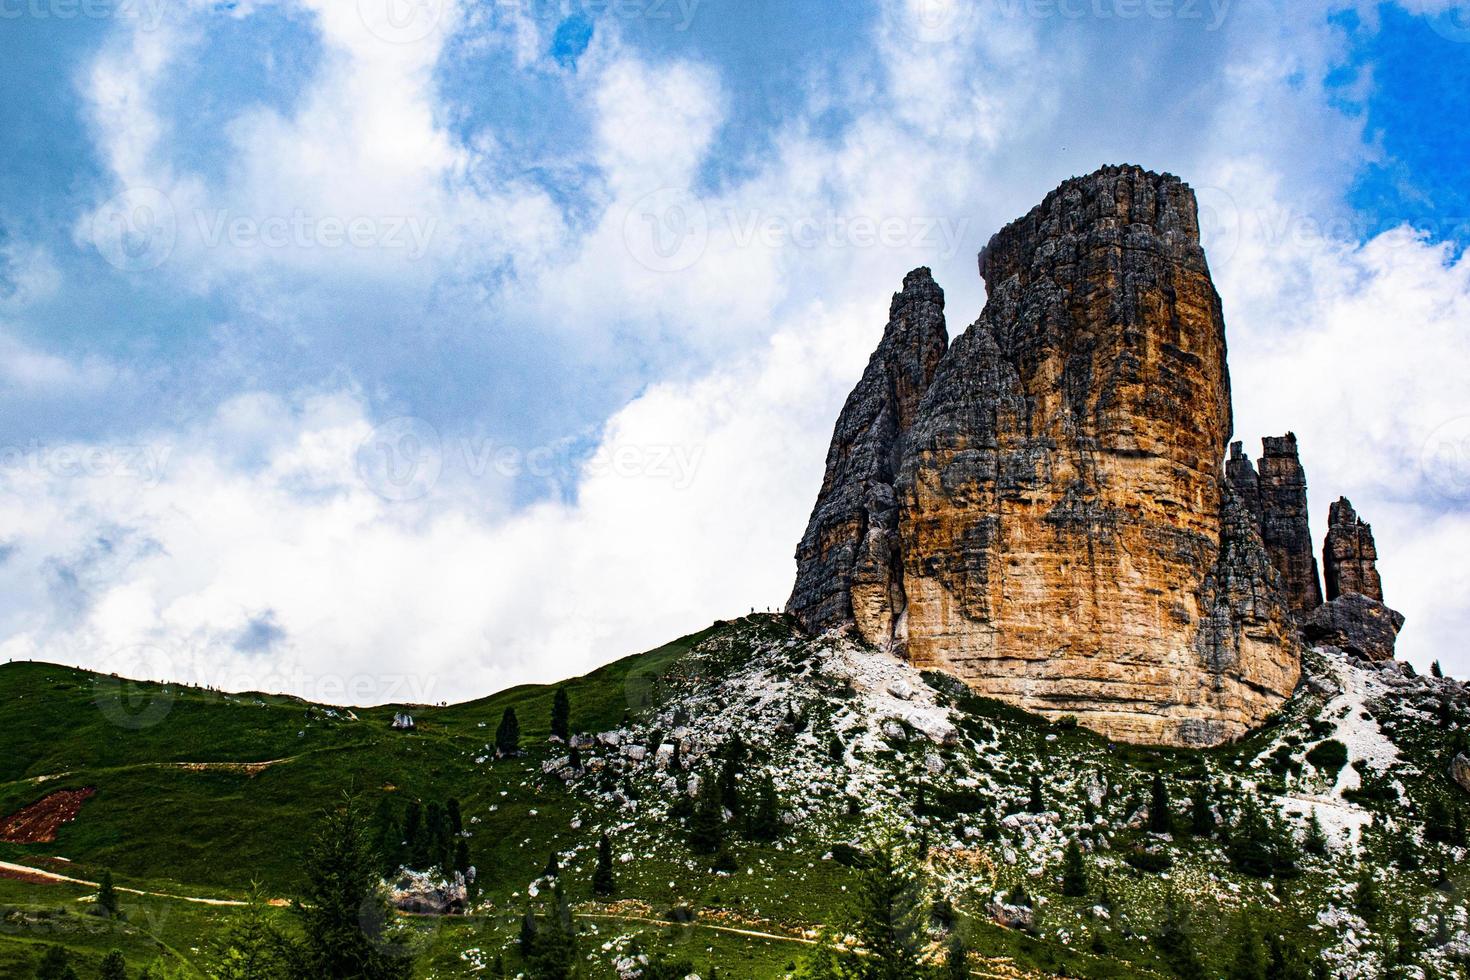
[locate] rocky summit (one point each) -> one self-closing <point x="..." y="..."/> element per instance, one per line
<point x="1044" y="509"/>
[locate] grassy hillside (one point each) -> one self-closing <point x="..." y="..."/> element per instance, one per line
<point x="198" y="794"/>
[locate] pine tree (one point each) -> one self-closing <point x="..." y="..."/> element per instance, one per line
<point x="106" y="894"/>
<point x="1249" y="962"/>
<point x="956" y="958"/>
<point x="1035" y="804"/>
<point x="462" y="857"/>
<point x="1365" y="896"/>
<point x="574" y="759"/>
<point x="454" y="816"/>
<point x="730" y="786"/>
<point x="1074" y="872"/>
<point x="1201" y="814"/>
<point x="1315" y="840"/>
<point x="1439" y="825"/>
<point x="822" y="963"/>
<point x="1160" y="820"/>
<point x="343" y="915"/>
<point x="887" y="919"/>
<point x="114" y="967"/>
<point x="707" y="825"/>
<point x="55" y="965"/>
<point x="1285" y="962"/>
<point x="1174" y="942"/>
<point x="252" y="948"/>
<point x="553" y="947"/>
<point x="508" y="734"/>
<point x="553" y="867"/>
<point x="561" y="714"/>
<point x="388" y="837"/>
<point x="765" y="819"/>
<point x="1259" y="845"/>
<point x="414" y="849"/>
<point x="603" y="882"/>
<point x="1435" y="670"/>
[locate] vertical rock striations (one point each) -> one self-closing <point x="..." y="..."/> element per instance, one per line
<point x="847" y="562"/>
<point x="1349" y="557"/>
<point x="1284" y="524"/>
<point x="1061" y="534"/>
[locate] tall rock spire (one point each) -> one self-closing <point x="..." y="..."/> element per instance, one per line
<point x="1349" y="556"/>
<point x="848" y="567"/>
<point x="1284" y="522"/>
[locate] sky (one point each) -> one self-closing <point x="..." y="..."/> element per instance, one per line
<point x="404" y="350"/>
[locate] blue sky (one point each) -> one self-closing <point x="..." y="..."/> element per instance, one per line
<point x="597" y="273"/>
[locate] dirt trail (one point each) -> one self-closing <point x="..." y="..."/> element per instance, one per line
<point x="247" y="768"/>
<point x="51" y="877"/>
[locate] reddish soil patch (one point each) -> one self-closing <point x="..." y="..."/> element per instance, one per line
<point x="39" y="822"/>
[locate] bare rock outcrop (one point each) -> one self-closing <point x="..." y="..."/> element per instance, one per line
<point x="1349" y="557"/>
<point x="1460" y="771"/>
<point x="1353" y="622"/>
<point x="1065" y="536"/>
<point x="847" y="562"/>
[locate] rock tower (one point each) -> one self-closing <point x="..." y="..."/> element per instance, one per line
<point x="1041" y="508"/>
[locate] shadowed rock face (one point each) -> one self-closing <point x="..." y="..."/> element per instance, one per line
<point x="1284" y="525"/>
<point x="847" y="562"/>
<point x="1065" y="539"/>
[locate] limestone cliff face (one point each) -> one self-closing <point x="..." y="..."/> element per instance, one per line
<point x="847" y="562"/>
<point x="1065" y="538"/>
<point x="1284" y="524"/>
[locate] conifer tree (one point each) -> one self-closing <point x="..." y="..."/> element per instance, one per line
<point x="462" y="857"/>
<point x="1201" y="815"/>
<point x="1439" y="825"/>
<point x="1315" y="840"/>
<point x="887" y="919"/>
<point x="1074" y="872"/>
<point x="765" y="819"/>
<point x="574" y="759"/>
<point x="1035" y="803"/>
<point x="1435" y="670"/>
<point x="603" y="882"/>
<point x="508" y="734"/>
<point x="1174" y="943"/>
<point x="55" y="965"/>
<point x="1365" y="896"/>
<point x="553" y="944"/>
<point x="388" y="837"/>
<point x="1285" y="962"/>
<point x="707" y="825"/>
<point x="413" y="836"/>
<point x="343" y="916"/>
<point x="454" y="816"/>
<point x="553" y="867"/>
<point x="1160" y="820"/>
<point x="114" y="967"/>
<point x="106" y="894"/>
<point x="956" y="958"/>
<point x="252" y="948"/>
<point x="1249" y="962"/>
<point x="730" y="786"/>
<point x="561" y="714"/>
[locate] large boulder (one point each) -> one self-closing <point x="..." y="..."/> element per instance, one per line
<point x="1460" y="771"/>
<point x="426" y="893"/>
<point x="1355" y="623"/>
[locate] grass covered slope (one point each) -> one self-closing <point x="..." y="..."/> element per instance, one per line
<point x="743" y="777"/>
